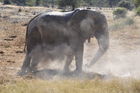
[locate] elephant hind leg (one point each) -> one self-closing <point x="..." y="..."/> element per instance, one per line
<point x="68" y="62"/>
<point x="26" y="65"/>
<point x="34" y="62"/>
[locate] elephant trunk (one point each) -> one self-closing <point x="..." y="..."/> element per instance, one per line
<point x="103" y="43"/>
<point x="99" y="54"/>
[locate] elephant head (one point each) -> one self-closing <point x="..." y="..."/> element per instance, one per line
<point x="89" y="24"/>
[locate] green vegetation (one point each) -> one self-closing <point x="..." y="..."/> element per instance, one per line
<point x="76" y="3"/>
<point x="95" y="3"/>
<point x="137" y="3"/>
<point x="138" y="11"/>
<point x="120" y="12"/>
<point x="72" y="3"/>
<point x="126" y="4"/>
<point x="7" y="2"/>
<point x="30" y="2"/>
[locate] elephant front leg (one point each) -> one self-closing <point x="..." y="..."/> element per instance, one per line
<point x="68" y="62"/>
<point x="79" y="59"/>
<point x="103" y="42"/>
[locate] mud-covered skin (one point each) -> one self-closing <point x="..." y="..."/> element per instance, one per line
<point x="71" y="29"/>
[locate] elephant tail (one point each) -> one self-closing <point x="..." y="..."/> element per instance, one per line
<point x="26" y="39"/>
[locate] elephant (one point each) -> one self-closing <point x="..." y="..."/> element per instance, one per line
<point x="70" y="28"/>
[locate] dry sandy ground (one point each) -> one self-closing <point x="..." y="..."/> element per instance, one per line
<point x="122" y="58"/>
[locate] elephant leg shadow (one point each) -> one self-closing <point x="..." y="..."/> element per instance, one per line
<point x="50" y="74"/>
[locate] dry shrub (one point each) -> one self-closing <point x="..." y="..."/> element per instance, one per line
<point x="120" y="13"/>
<point x="121" y="23"/>
<point x="135" y="86"/>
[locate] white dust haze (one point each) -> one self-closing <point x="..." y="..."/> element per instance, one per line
<point x="117" y="62"/>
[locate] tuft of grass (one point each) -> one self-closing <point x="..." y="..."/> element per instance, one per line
<point x="72" y="86"/>
<point x="128" y="21"/>
<point x="136" y="86"/>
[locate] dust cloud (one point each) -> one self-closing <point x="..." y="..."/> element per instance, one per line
<point x="117" y="62"/>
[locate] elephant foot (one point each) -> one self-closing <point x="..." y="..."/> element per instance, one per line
<point x="26" y="73"/>
<point x="77" y="72"/>
<point x="33" y="70"/>
<point x="66" y="72"/>
<point x="23" y="72"/>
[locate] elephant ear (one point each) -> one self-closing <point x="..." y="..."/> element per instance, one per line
<point x="77" y="17"/>
<point x="82" y="22"/>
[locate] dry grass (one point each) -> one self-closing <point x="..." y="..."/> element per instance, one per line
<point x="72" y="86"/>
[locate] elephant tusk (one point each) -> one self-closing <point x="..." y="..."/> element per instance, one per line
<point x="89" y="40"/>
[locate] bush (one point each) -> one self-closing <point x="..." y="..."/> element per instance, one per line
<point x="30" y="2"/>
<point x="137" y="3"/>
<point x="120" y="12"/>
<point x="125" y="4"/>
<point x="6" y="2"/>
<point x="72" y="3"/>
<point x="138" y="11"/>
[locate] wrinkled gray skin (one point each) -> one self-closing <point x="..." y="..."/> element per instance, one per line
<point x="73" y="29"/>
